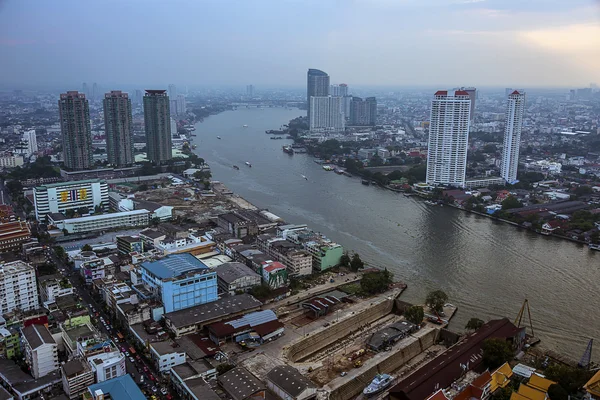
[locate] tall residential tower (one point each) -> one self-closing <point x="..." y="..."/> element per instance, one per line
<point x="118" y="128"/>
<point x="157" y="121"/>
<point x="76" y="130"/>
<point x="317" y="85"/>
<point x="448" y="138"/>
<point x="512" y="135"/>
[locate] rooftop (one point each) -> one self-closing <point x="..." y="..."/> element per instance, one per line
<point x="121" y="388"/>
<point x="290" y="380"/>
<point x="210" y="311"/>
<point x="240" y="384"/>
<point x="74" y="367"/>
<point x="71" y="183"/>
<point x="105" y="216"/>
<point x="174" y="265"/>
<point x="24" y="383"/>
<point x="37" y="335"/>
<point x="231" y="271"/>
<point x="201" y="389"/>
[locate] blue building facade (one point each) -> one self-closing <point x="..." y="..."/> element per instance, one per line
<point x="181" y="281"/>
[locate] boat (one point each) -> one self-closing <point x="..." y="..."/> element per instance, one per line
<point x="304" y="176"/>
<point x="218" y="137"/>
<point x="594" y="246"/>
<point x="236" y="167"/>
<point x="327" y="167"/>
<point x="248" y="164"/>
<point x="365" y="182"/>
<point x="338" y="171"/>
<point x="244" y="126"/>
<point x="378" y="384"/>
<point x="288" y="149"/>
<point x="194" y="146"/>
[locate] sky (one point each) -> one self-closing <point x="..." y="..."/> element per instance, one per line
<point x="271" y="43"/>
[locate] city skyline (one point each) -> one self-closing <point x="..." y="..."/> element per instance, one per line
<point x="484" y="43"/>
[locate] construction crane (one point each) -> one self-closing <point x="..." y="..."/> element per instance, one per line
<point x="520" y="316"/>
<point x="586" y="358"/>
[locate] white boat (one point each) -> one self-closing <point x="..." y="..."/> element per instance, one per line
<point x="244" y="126"/>
<point x="304" y="176"/>
<point x="594" y="246"/>
<point x="327" y="167"/>
<point x="218" y="137"/>
<point x="378" y="384"/>
<point x="248" y="164"/>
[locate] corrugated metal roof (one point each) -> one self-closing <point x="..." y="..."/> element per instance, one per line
<point x="253" y="319"/>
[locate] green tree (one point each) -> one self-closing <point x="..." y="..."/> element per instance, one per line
<point x="435" y="300"/>
<point x="376" y="282"/>
<point x="583" y="190"/>
<point x="86" y="247"/>
<point x="496" y="351"/>
<point x="474" y="324"/>
<point x="414" y="314"/>
<point x="502" y="393"/>
<point x="60" y="252"/>
<point x="261" y="292"/>
<point x="557" y="392"/>
<point x="571" y="379"/>
<point x="356" y="263"/>
<point x="511" y="202"/>
<point x="345" y="260"/>
<point x="490" y="148"/>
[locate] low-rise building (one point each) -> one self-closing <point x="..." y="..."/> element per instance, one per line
<point x="63" y="196"/>
<point x="53" y="286"/>
<point x="129" y="244"/>
<point x="152" y="237"/>
<point x="192" y="243"/>
<point x="13" y="235"/>
<point x="41" y="351"/>
<point x="166" y="355"/>
<point x="102" y="222"/>
<point x="10" y="342"/>
<point x="592" y="387"/>
<point x="257" y="327"/>
<point x="121" y="388"/>
<point x="76" y="377"/>
<point x="289" y="384"/>
<point x="130" y="314"/>
<point x="104" y="358"/>
<point x="23" y="386"/>
<point x="240" y="384"/>
<point x="11" y="161"/>
<point x="237" y="225"/>
<point x="189" y="380"/>
<point x="71" y="335"/>
<point x="236" y="277"/>
<point x="274" y="274"/>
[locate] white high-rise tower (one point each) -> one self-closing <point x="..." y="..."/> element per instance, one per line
<point x="448" y="138"/>
<point x="515" y="108"/>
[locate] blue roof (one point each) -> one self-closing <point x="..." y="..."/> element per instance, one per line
<point x="174" y="265"/>
<point x="121" y="388"/>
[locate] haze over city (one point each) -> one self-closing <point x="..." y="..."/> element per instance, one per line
<point x="271" y="43"/>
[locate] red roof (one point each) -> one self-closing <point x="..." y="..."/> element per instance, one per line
<point x="516" y="92"/>
<point x="482" y="380"/>
<point x="268" y="327"/>
<point x="441" y="93"/>
<point x="461" y="93"/>
<point x="205" y="344"/>
<point x="276" y="265"/>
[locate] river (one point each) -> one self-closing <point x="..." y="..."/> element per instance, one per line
<point x="487" y="268"/>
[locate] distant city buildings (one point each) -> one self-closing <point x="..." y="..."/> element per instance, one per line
<point x="448" y="138"/>
<point x="138" y="97"/>
<point x="363" y="112"/>
<point x="317" y="85"/>
<point x="172" y="91"/>
<point x="157" y="121"/>
<point x="181" y="106"/>
<point x="326" y="114"/>
<point x="76" y="130"/>
<point x="250" y="91"/>
<point x="30" y="141"/>
<point x="515" y="108"/>
<point x="118" y="128"/>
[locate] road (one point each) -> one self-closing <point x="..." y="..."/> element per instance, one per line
<point x="138" y="367"/>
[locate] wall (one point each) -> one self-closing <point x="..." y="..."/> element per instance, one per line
<point x="350" y="388"/>
<point x="317" y="341"/>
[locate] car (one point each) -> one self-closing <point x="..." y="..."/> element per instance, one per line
<point x="132" y="359"/>
<point x="116" y="339"/>
<point x="151" y="377"/>
<point x="138" y="358"/>
<point x="123" y="349"/>
<point x="164" y="390"/>
<point x="127" y="354"/>
<point x="141" y="378"/>
<point x="154" y="389"/>
<point x="169" y="397"/>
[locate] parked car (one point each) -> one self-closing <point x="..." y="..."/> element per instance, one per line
<point x="132" y="359"/>
<point x="164" y="390"/>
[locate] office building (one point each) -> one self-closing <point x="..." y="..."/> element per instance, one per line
<point x="101" y="222"/>
<point x="138" y="97"/>
<point x="118" y="128"/>
<point x="77" y="375"/>
<point x="76" y="130"/>
<point x="326" y="114"/>
<point x="41" y="351"/>
<point x="18" y="287"/>
<point x="340" y="90"/>
<point x="515" y="107"/>
<point x="11" y="161"/>
<point x="157" y="121"/>
<point x="181" y="280"/>
<point x="448" y="138"/>
<point x="181" y="106"/>
<point x="63" y="196"/>
<point x="30" y="141"/>
<point x="250" y="91"/>
<point x="172" y="91"/>
<point x="363" y="112"/>
<point x="317" y="85"/>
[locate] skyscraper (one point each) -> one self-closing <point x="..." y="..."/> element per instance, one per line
<point x="172" y="91"/>
<point x="181" y="105"/>
<point x="363" y="112"/>
<point x="30" y="139"/>
<point x="157" y="121"/>
<point x="250" y="91"/>
<point x="326" y="114"/>
<point x="317" y="84"/>
<point x="118" y="128"/>
<point x="472" y="96"/>
<point x="340" y="90"/>
<point x="75" y="130"/>
<point x="515" y="107"/>
<point x="448" y="138"/>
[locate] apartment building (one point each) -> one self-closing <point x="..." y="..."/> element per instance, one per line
<point x="18" y="288"/>
<point x="41" y="351"/>
<point x="77" y="375"/>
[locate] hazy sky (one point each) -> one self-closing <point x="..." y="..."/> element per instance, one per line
<point x="273" y="42"/>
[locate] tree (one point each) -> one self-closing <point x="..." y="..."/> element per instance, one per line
<point x="583" y="190"/>
<point x="345" y="260"/>
<point x="496" y="351"/>
<point x="570" y="378"/>
<point x="86" y="247"/>
<point x="504" y="393"/>
<point x="511" y="202"/>
<point x="557" y="392"/>
<point x="435" y="300"/>
<point x="376" y="282"/>
<point x="356" y="262"/>
<point x="474" y="324"/>
<point x="414" y="314"/>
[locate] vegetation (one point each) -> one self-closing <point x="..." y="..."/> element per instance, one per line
<point x="86" y="247"/>
<point x="356" y="263"/>
<point x="474" y="324"/>
<point x="496" y="351"/>
<point x="502" y="393"/>
<point x="41" y="168"/>
<point x="376" y="282"/>
<point x="60" y="252"/>
<point x="557" y="392"/>
<point x="345" y="260"/>
<point x="511" y="202"/>
<point x="414" y="314"/>
<point x="435" y="300"/>
<point x="569" y="378"/>
<point x="261" y="292"/>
